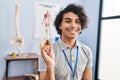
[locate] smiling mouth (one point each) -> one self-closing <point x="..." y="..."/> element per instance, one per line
<point x="72" y="29"/>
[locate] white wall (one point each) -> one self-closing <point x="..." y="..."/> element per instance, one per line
<point x="31" y="45"/>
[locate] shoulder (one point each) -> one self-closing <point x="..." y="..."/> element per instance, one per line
<point x="56" y="47"/>
<point x="86" y="49"/>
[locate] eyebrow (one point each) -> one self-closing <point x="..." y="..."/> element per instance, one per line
<point x="71" y="19"/>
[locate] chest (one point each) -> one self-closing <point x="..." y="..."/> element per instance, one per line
<point x="62" y="68"/>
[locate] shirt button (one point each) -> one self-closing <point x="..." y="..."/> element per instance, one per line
<point x="73" y="57"/>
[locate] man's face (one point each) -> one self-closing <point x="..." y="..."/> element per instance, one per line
<point x="70" y="25"/>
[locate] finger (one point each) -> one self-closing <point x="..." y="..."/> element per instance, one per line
<point x="51" y="52"/>
<point x="44" y="55"/>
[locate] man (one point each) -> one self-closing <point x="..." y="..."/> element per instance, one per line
<point x="67" y="58"/>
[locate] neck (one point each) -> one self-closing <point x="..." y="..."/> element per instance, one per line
<point x="69" y="42"/>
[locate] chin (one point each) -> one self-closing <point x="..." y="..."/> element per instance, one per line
<point x="72" y="37"/>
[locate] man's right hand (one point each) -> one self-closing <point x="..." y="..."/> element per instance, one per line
<point x="47" y="54"/>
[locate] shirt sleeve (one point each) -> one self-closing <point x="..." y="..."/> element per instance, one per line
<point x="41" y="64"/>
<point x="89" y="63"/>
<point x="88" y="53"/>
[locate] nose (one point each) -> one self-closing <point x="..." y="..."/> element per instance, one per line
<point x="73" y="24"/>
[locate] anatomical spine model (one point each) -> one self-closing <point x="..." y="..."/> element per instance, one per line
<point x="18" y="40"/>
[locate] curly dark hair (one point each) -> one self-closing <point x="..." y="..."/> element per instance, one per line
<point x="78" y="10"/>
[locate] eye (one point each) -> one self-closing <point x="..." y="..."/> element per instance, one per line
<point x="77" y="21"/>
<point x="68" y="21"/>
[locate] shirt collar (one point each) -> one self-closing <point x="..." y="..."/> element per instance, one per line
<point x="65" y="46"/>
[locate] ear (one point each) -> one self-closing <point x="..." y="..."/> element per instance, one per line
<point x="60" y="27"/>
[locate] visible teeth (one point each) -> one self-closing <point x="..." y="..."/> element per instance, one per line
<point x="72" y="30"/>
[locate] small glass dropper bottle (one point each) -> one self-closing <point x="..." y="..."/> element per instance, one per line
<point x="47" y="38"/>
